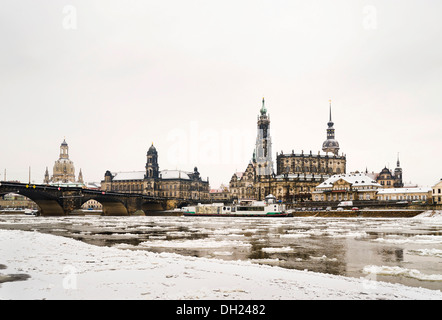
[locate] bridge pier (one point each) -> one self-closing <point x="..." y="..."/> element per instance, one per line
<point x="50" y="208"/>
<point x="114" y="209"/>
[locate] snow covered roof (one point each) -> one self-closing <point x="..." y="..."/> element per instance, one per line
<point x="139" y="175"/>
<point x="71" y="184"/>
<point x="404" y="190"/>
<point x="355" y="179"/>
<point x="132" y="175"/>
<point x="174" y="174"/>
<point x="93" y="185"/>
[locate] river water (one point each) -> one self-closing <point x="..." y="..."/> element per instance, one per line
<point x="403" y="250"/>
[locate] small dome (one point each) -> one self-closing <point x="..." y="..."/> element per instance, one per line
<point x="152" y="150"/>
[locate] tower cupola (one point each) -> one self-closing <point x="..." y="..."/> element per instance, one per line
<point x="331" y="144"/>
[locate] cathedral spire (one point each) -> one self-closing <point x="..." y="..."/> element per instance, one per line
<point x="330" y="122"/>
<point x="263" y="108"/>
<point x="330" y="145"/>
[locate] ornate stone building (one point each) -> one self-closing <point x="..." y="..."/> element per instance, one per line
<point x="437" y="192"/>
<point x="64" y="170"/>
<point x="347" y="187"/>
<point x="165" y="183"/>
<point x="297" y="174"/>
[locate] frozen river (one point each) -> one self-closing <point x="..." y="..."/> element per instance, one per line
<point x="404" y="250"/>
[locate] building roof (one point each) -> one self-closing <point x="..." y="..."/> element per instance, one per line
<point x="139" y="175"/>
<point x="175" y="174"/>
<point x="355" y="179"/>
<point x="132" y="175"/>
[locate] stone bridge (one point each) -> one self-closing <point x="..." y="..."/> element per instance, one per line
<point x="60" y="201"/>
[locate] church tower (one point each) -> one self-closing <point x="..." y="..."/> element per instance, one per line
<point x="263" y="148"/>
<point x="80" y="177"/>
<point x="398" y="183"/>
<point x="46" y="179"/>
<point x="152" y="168"/>
<point x="330" y="145"/>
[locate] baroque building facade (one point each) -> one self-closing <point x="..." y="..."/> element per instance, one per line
<point x="296" y="176"/>
<point x="437" y="192"/>
<point x="387" y="179"/>
<point x="347" y="187"/>
<point x="64" y="170"/>
<point x="153" y="182"/>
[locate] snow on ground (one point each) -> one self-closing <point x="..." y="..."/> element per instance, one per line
<point x="434" y="214"/>
<point x="64" y="268"/>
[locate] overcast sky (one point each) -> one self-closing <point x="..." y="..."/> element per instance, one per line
<point x="114" y="76"/>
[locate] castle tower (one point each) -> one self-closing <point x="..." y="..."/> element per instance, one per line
<point x="331" y="144"/>
<point x="152" y="167"/>
<point x="263" y="148"/>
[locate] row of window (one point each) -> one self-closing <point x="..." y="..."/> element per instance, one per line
<point x="343" y="197"/>
<point x="298" y="169"/>
<point x="408" y="197"/>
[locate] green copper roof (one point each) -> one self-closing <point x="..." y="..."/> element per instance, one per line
<point x="263" y="108"/>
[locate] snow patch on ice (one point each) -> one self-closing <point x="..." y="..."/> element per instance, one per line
<point x="427" y="252"/>
<point x="278" y="250"/>
<point x="398" y="271"/>
<point x="200" y="243"/>
<point x="422" y="239"/>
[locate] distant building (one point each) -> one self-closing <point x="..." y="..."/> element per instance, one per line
<point x="64" y="170"/>
<point x="153" y="182"/>
<point x="222" y="194"/>
<point x="12" y="200"/>
<point x="415" y="194"/>
<point x="347" y="187"/>
<point x="437" y="192"/>
<point x="389" y="180"/>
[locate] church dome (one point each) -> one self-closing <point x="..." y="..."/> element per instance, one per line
<point x="152" y="150"/>
<point x="331" y="145"/>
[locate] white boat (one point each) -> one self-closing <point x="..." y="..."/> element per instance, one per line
<point x="30" y="212"/>
<point x="245" y="208"/>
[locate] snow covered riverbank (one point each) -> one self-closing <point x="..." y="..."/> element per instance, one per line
<point x="63" y="268"/>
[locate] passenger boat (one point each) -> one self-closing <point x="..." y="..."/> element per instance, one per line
<point x="245" y="208"/>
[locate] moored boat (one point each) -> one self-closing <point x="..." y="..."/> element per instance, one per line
<point x="245" y="208"/>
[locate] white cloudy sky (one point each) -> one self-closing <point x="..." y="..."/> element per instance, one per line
<point x="114" y="76"/>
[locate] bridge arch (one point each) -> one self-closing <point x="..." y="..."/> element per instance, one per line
<point x="13" y="200"/>
<point x="47" y="206"/>
<point x="110" y="206"/>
